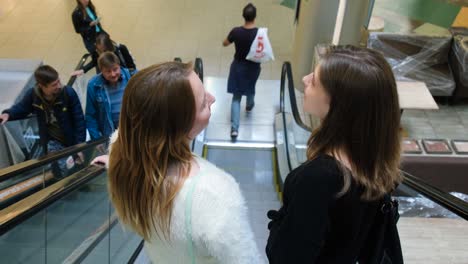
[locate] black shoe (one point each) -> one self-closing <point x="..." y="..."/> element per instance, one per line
<point x="249" y="108"/>
<point x="234" y="133"/>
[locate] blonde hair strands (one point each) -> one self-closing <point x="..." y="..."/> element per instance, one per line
<point x="158" y="111"/>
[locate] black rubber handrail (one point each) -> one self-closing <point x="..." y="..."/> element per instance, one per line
<point x="12" y="171"/>
<point x="19" y="119"/>
<point x="17" y="213"/>
<point x="198" y="68"/>
<point x="136" y="252"/>
<point x="452" y="203"/>
<point x="80" y="64"/>
<point x="286" y="71"/>
<point x="283" y="113"/>
<point x="446" y="200"/>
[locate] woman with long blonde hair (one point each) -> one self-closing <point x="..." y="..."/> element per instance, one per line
<point x="186" y="209"/>
<point x="332" y="200"/>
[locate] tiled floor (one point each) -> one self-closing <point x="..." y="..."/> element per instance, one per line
<point x="405" y="15"/>
<point x="449" y="122"/>
<point x="153" y="30"/>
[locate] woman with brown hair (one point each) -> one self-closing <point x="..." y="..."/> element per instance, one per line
<point x="332" y="200"/>
<point x="105" y="43"/>
<point x="186" y="209"/>
<point x="87" y="23"/>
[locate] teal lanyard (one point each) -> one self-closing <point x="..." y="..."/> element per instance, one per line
<point x="188" y="217"/>
<point x="93" y="17"/>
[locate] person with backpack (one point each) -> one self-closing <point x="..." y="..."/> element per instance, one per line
<point x="58" y="110"/>
<point x="337" y="203"/>
<point x="105" y="43"/>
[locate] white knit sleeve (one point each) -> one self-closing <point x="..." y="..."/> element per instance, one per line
<point x="220" y="221"/>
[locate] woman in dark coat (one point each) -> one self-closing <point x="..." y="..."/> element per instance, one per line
<point x="86" y="23"/>
<point x="333" y="201"/>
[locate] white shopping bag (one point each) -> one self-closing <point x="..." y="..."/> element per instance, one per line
<point x="261" y="50"/>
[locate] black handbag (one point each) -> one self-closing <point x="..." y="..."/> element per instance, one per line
<point x="383" y="242"/>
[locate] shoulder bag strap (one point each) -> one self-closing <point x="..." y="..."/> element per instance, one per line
<point x="121" y="57"/>
<point x="188" y="217"/>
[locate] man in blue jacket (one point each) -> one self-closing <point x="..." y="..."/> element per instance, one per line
<point x="58" y="110"/>
<point x="104" y="96"/>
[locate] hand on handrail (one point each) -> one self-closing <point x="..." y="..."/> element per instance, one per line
<point x="77" y="73"/>
<point x="102" y="160"/>
<point x="79" y="158"/>
<point x="4" y="118"/>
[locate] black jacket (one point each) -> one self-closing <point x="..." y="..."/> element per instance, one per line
<point x="121" y="51"/>
<point x="82" y="27"/>
<point x="316" y="226"/>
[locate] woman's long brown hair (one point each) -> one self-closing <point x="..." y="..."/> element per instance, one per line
<point x="158" y="111"/>
<point x="83" y="9"/>
<point x="363" y="122"/>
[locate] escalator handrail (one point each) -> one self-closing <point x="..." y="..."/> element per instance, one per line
<point x="19" y="212"/>
<point x="446" y="200"/>
<point x="286" y="71"/>
<point x="198" y="68"/>
<point x="31" y="116"/>
<point x="136" y="252"/>
<point x="80" y="64"/>
<point x="12" y="171"/>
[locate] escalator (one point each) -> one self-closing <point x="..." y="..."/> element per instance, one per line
<point x="23" y="179"/>
<point x="73" y="221"/>
<point x="19" y="141"/>
<point x="253" y="168"/>
<point x="23" y="167"/>
<point x="61" y="219"/>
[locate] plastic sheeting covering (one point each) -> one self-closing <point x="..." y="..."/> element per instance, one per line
<point x="461" y="45"/>
<point x="460" y="52"/>
<point x="417" y="58"/>
<point x="420" y="206"/>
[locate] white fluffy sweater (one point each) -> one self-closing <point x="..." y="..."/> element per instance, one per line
<point x="220" y="228"/>
<point x="221" y="232"/>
